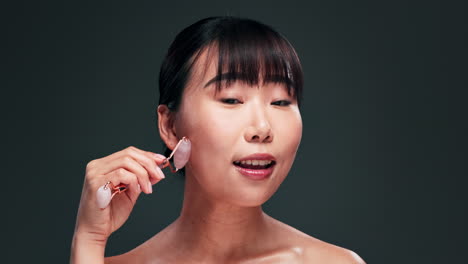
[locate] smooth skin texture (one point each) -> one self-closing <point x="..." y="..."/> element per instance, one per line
<point x="222" y="219"/>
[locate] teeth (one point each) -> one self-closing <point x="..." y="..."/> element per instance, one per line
<point x="254" y="162"/>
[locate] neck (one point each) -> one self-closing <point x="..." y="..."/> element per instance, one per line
<point x="208" y="227"/>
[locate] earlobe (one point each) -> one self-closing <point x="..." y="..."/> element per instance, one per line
<point x="166" y="126"/>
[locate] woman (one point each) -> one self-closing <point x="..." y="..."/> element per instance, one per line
<point x="233" y="88"/>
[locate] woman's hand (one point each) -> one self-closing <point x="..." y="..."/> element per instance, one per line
<point x="133" y="167"/>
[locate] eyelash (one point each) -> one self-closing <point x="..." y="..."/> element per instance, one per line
<point x="280" y="102"/>
<point x="229" y="100"/>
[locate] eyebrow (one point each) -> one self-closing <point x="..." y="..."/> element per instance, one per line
<point x="276" y="78"/>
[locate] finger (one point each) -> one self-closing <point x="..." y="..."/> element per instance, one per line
<point x="148" y="160"/>
<point x="158" y="158"/>
<point x="123" y="176"/>
<point x="133" y="166"/>
<point x="154" y="181"/>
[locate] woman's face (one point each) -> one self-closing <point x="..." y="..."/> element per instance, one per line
<point x="236" y="122"/>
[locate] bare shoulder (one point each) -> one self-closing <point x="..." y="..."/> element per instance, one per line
<point x="128" y="257"/>
<point x="323" y="252"/>
<point x="124" y="258"/>
<point x="150" y="251"/>
<point x="314" y="250"/>
<point x="136" y="255"/>
<point x="140" y="254"/>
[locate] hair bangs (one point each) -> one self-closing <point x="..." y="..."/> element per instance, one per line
<point x="255" y="54"/>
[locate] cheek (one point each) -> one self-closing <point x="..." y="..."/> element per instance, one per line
<point x="213" y="134"/>
<point x="289" y="130"/>
<point x="288" y="137"/>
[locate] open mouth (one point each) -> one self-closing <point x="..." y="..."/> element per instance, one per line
<point x="255" y="164"/>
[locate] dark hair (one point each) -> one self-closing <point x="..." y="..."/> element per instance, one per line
<point x="247" y="50"/>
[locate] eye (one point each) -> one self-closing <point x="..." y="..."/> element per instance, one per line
<point x="230" y="101"/>
<point x="281" y="103"/>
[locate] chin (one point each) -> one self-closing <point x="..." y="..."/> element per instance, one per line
<point x="250" y="197"/>
<point x="252" y="203"/>
<point x="236" y="189"/>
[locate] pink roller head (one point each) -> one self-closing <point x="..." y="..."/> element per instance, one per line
<point x="103" y="196"/>
<point x="182" y="154"/>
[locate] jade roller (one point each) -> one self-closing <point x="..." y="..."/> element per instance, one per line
<point x="181" y="154"/>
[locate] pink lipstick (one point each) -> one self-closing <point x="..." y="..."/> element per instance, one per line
<point x="257" y="166"/>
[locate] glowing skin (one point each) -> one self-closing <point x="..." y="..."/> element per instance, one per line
<point x="222" y="133"/>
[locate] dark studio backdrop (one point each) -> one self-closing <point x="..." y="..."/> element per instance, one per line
<point x="381" y="168"/>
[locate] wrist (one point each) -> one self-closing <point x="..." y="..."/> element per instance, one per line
<point x="87" y="248"/>
<point x="90" y="237"/>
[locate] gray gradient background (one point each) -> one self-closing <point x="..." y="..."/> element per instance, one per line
<point x="381" y="169"/>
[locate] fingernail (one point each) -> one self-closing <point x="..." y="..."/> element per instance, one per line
<point x="159" y="156"/>
<point x="150" y="187"/>
<point x="160" y="172"/>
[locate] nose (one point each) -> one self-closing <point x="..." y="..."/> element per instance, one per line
<point x="260" y="129"/>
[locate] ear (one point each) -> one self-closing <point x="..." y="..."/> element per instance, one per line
<point x="166" y="126"/>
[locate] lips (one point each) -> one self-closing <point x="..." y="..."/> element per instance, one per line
<point x="257" y="166"/>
